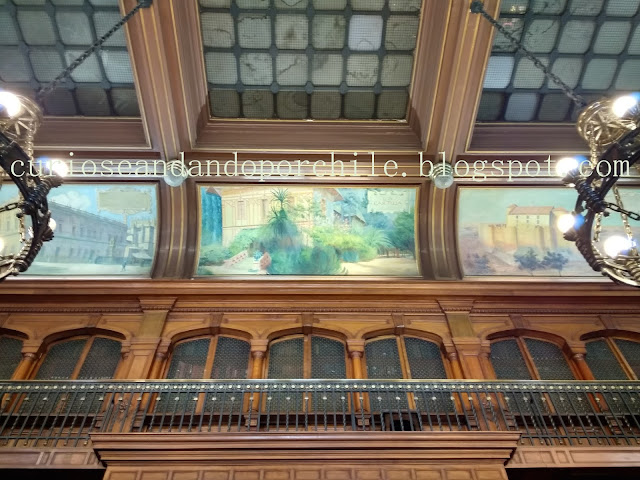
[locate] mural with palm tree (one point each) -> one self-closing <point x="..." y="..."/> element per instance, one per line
<point x="306" y="230"/>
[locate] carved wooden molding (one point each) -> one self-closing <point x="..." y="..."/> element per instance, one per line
<point x="49" y="458"/>
<point x="413" y="447"/>
<point x="575" y="456"/>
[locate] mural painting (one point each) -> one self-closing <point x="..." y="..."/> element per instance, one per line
<point x="308" y="230"/>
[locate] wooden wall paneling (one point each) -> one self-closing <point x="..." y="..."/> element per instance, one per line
<point x="509" y="138"/>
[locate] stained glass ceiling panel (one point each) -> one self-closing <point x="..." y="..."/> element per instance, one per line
<point x="592" y="45"/>
<point x="309" y="59"/>
<point x="39" y="38"/>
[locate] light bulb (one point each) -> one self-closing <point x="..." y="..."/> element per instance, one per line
<point x="11" y="103"/>
<point x="614" y="246"/>
<point x="566" y="222"/>
<point x="52" y="224"/>
<point x="565" y="165"/>
<point x="622" y="105"/>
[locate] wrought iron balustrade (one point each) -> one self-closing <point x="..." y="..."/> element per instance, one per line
<point x="66" y="413"/>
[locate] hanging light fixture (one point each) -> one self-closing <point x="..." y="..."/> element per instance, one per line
<point x="20" y="118"/>
<point x="611" y="129"/>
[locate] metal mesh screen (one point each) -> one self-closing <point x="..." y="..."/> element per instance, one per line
<point x="232" y="358"/>
<point x="102" y="360"/>
<point x="549" y="360"/>
<point x="10" y="356"/>
<point x="327" y="358"/>
<point x="631" y="352"/>
<point x="39" y="39"/>
<point x="299" y="59"/>
<point x="189" y="358"/>
<point x="61" y="360"/>
<point x="286" y="359"/>
<point x="592" y="45"/>
<point x="602" y="362"/>
<point x="425" y="359"/>
<point x="383" y="359"/>
<point x="508" y="362"/>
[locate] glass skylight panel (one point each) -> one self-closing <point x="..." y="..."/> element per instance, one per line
<point x="309" y="59"/>
<point x="39" y="39"/>
<point x="592" y="45"/>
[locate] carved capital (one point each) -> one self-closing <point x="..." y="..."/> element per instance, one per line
<point x="355" y="346"/>
<point x="259" y="346"/>
<point x="257" y="354"/>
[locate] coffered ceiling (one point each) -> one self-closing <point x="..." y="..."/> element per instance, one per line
<point x="285" y="79"/>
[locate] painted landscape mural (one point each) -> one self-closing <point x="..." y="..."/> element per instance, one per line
<point x="513" y="231"/>
<point x="307" y="230"/>
<point x="101" y="229"/>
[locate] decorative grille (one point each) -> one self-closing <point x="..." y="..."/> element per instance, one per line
<point x="549" y="360"/>
<point x="602" y="362"/>
<point x="425" y="359"/>
<point x="10" y="356"/>
<point x="232" y="358"/>
<point x="508" y="362"/>
<point x="61" y="360"/>
<point x="189" y="358"/>
<point x="631" y="352"/>
<point x="102" y="360"/>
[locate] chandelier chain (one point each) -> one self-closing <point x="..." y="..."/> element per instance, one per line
<point x="617" y="208"/>
<point x="478" y="7"/>
<point x="66" y="73"/>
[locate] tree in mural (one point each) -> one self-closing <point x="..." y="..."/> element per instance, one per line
<point x="402" y="236"/>
<point x="528" y="261"/>
<point x="555" y="260"/>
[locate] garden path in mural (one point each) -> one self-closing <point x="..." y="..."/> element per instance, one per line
<point x="513" y="231"/>
<point x="101" y="230"/>
<point x="260" y="230"/>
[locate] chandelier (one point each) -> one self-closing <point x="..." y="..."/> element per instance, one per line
<point x="20" y="118"/>
<point x="611" y="129"/>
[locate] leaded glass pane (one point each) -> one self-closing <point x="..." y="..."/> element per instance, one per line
<point x="631" y="352"/>
<point x="40" y="38"/>
<point x="549" y="360"/>
<point x="102" y="359"/>
<point x="508" y="362"/>
<point x="10" y="356"/>
<point x="602" y="362"/>
<point x="425" y="359"/>
<point x="280" y="56"/>
<point x="232" y="358"/>
<point x="61" y="360"/>
<point x="189" y="358"/>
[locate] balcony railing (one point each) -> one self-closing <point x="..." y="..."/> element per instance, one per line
<point x="66" y="413"/>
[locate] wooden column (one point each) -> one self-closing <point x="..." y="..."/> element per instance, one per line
<point x="160" y="358"/>
<point x="258" y="352"/>
<point x="452" y="355"/>
<point x="577" y="354"/>
<point x="24" y="368"/>
<point x="356" y="352"/>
